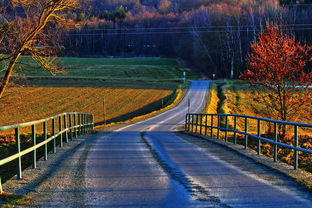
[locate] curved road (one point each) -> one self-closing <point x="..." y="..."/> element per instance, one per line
<point x="147" y="165"/>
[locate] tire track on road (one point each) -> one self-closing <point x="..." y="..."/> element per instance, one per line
<point x="195" y="190"/>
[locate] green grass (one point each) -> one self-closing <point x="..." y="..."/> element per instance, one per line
<point x="112" y="68"/>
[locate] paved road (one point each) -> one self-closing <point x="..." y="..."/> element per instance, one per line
<point x="147" y="165"/>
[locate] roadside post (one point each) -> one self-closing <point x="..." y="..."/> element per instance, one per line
<point x="1" y="190"/>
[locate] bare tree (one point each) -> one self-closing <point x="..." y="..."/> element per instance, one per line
<point x="31" y="27"/>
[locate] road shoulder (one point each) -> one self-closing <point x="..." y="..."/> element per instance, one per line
<point x="248" y="160"/>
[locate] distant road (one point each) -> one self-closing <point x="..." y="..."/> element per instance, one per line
<point x="147" y="165"/>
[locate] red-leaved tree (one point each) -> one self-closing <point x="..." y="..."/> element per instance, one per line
<point x="277" y="68"/>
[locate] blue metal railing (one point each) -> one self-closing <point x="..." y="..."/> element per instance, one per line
<point x="70" y="125"/>
<point x="202" y="123"/>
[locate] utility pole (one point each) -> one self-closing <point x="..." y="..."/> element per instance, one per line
<point x="162" y="102"/>
<point x="188" y="105"/>
<point x="104" y="110"/>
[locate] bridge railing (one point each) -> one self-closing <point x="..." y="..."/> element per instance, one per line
<point x="255" y="129"/>
<point x="55" y="129"/>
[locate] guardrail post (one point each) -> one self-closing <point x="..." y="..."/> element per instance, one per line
<point x="219" y="125"/>
<point x="70" y="126"/>
<point x="45" y="134"/>
<point x="246" y="130"/>
<point x="201" y="124"/>
<point x="189" y="123"/>
<point x="296" y="151"/>
<point x="75" y="124"/>
<point x="275" y="140"/>
<point x="92" y="121"/>
<point x="84" y="124"/>
<point x="196" y="123"/>
<point x="89" y="123"/>
<point x="226" y="129"/>
<point x="65" y="127"/>
<point x="185" y="127"/>
<point x="34" y="142"/>
<point x="60" y="129"/>
<point x="206" y="124"/>
<point x="79" y="123"/>
<point x="259" y="134"/>
<point x="192" y="124"/>
<point x="235" y="129"/>
<point x="18" y="148"/>
<point x="211" y="132"/>
<point x="53" y="133"/>
<point x="1" y="190"/>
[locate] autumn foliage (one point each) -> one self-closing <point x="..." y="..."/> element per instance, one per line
<point x="277" y="66"/>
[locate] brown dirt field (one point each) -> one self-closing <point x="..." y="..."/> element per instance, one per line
<point x="23" y="104"/>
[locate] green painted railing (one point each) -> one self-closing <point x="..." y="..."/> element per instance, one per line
<point x="70" y="125"/>
<point x="215" y="124"/>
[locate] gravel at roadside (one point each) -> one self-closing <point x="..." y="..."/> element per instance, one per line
<point x="63" y="169"/>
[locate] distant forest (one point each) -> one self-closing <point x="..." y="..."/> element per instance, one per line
<point x="212" y="36"/>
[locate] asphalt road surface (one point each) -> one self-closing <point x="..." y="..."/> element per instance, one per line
<point x="146" y="164"/>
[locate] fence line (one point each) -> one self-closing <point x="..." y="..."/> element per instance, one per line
<point x="70" y="125"/>
<point x="195" y="123"/>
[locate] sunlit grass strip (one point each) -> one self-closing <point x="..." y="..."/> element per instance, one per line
<point x="179" y="95"/>
<point x="213" y="100"/>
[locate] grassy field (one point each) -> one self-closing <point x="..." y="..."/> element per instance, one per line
<point x="76" y="90"/>
<point x="112" y="68"/>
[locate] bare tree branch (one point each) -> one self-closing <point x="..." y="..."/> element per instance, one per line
<point x="32" y="34"/>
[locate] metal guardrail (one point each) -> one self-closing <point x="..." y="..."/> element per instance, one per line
<point x="70" y="125"/>
<point x="195" y="123"/>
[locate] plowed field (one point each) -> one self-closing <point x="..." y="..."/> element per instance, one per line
<point x="22" y="104"/>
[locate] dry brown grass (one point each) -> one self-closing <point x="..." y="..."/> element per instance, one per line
<point x="179" y="95"/>
<point x="212" y="104"/>
<point x="22" y="104"/>
<point x="237" y="98"/>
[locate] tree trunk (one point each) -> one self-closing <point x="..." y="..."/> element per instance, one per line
<point x="232" y="66"/>
<point x="8" y="73"/>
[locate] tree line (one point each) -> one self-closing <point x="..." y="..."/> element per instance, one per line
<point x="211" y="36"/>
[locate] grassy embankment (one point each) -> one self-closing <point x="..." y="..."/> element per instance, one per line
<point x="111" y="89"/>
<point x="235" y="97"/>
